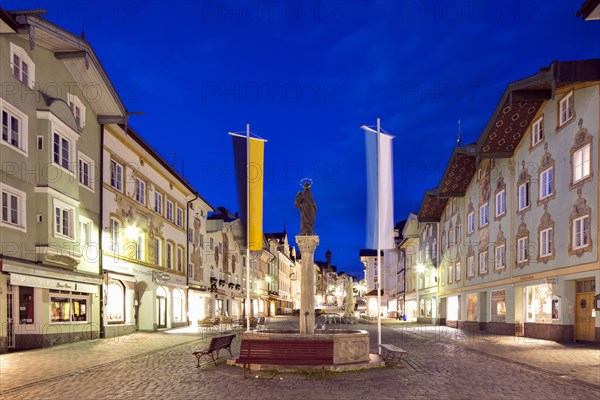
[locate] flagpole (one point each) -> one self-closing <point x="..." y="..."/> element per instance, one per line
<point x="248" y="304"/>
<point x="379" y="277"/>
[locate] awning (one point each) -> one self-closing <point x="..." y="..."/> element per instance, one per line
<point x="47" y="283"/>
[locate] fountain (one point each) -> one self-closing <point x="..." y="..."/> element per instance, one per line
<point x="350" y="347"/>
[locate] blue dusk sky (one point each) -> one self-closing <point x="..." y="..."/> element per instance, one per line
<point x="306" y="75"/>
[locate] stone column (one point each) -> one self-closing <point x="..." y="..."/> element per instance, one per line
<point x="307" y="244"/>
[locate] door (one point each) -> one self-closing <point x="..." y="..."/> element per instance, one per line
<point x="161" y="306"/>
<point x="10" y="319"/>
<point x="584" y="304"/>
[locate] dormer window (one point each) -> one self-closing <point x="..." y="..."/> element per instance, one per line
<point x="78" y="110"/>
<point x="22" y="65"/>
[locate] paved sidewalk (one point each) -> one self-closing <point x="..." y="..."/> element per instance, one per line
<point x="568" y="361"/>
<point x="440" y="365"/>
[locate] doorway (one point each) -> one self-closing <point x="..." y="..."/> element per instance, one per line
<point x="584" y="306"/>
<point x="161" y="307"/>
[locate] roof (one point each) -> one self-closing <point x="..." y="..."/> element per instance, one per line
<point x="590" y="10"/>
<point x="276" y="235"/>
<point x="459" y="172"/>
<point x="223" y="214"/>
<point x="369" y="253"/>
<point x="522" y="100"/>
<point x="432" y="207"/>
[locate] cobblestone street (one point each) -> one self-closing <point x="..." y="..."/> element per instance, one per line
<point x="441" y="364"/>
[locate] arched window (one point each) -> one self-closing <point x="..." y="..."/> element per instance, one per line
<point x="177" y="305"/>
<point x="115" y="302"/>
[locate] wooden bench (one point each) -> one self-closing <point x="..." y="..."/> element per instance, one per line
<point x="286" y="352"/>
<point x="217" y="344"/>
<point x="392" y="352"/>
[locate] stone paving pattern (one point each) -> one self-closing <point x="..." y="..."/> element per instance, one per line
<point x="442" y="364"/>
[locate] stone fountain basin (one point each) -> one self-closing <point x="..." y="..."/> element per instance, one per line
<point x="349" y="346"/>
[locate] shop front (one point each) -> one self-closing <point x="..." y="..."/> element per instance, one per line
<point x="46" y="306"/>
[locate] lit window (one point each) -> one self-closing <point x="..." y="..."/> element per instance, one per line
<point x="483" y="215"/>
<point x="537" y="132"/>
<point x="170" y="210"/>
<point x="546" y="183"/>
<point x="458" y="271"/>
<point x="13" y="207"/>
<point x="63" y="221"/>
<point x="85" y="232"/>
<point x="581" y="232"/>
<point x="566" y="109"/>
<point x="23" y="67"/>
<point x="470" y="222"/>
<point x="140" y="191"/>
<point x="68" y="307"/>
<point x="115" y="302"/>
<point x="581" y="163"/>
<point x="62" y="151"/>
<point x="116" y="175"/>
<point x="522" y="250"/>
<point x="523" y="196"/>
<point x="450" y="274"/>
<point x="500" y="203"/>
<point x="158" y="203"/>
<point x="500" y="260"/>
<point x="546" y="243"/>
<point x="139" y="247"/>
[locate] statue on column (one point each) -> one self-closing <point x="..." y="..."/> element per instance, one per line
<point x="308" y="209"/>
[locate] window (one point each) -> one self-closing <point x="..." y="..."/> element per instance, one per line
<point x="157" y="251"/>
<point x="85" y="232"/>
<point x="522" y="250"/>
<point x="500" y="203"/>
<point x="62" y="151"/>
<point x="179" y="259"/>
<point x="470" y="266"/>
<point x="472" y="307"/>
<point x="450" y="273"/>
<point x="498" y="298"/>
<point x="116" y="175"/>
<point x="458" y="271"/>
<point x="115" y="234"/>
<point x="13" y="207"/>
<point x="537" y="132"/>
<point x="115" y="302"/>
<point x="483" y="215"/>
<point x="523" y="196"/>
<point x="77" y="109"/>
<point x="158" y="203"/>
<point x="581" y="163"/>
<point x="483" y="266"/>
<point x="177" y="305"/>
<point x="427" y="252"/>
<point x="139" y="247"/>
<point x="500" y="260"/>
<point x="170" y="210"/>
<point x="539" y="303"/>
<point x="470" y="222"/>
<point x="179" y="217"/>
<point x="212" y="244"/>
<point x="26" y="302"/>
<point x="190" y="235"/>
<point x="458" y="233"/>
<point x="68" y="306"/>
<point x="581" y="232"/>
<point x="14" y="127"/>
<point x="86" y="171"/>
<point x="169" y="255"/>
<point x="140" y="191"/>
<point x="565" y="112"/>
<point x="546" y="242"/>
<point x="63" y="220"/>
<point x="23" y="67"/>
<point x="546" y="179"/>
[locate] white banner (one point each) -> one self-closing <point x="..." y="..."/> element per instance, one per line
<point x="47" y="283"/>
